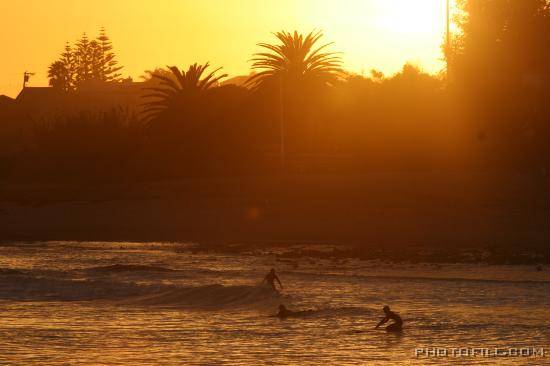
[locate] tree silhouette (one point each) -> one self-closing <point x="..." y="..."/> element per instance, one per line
<point x="61" y="72"/>
<point x="503" y="39"/>
<point x="297" y="58"/>
<point x="83" y="54"/>
<point x="87" y="60"/>
<point x="178" y="89"/>
<point x="57" y="73"/>
<point x="149" y="78"/>
<point x="107" y="63"/>
<point x="297" y="65"/>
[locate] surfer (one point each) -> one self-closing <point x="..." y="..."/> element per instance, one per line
<point x="396" y="326"/>
<point x="271" y="277"/>
<point x="285" y="313"/>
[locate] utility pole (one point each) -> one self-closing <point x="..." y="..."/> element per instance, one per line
<point x="282" y="122"/>
<point x="26" y="76"/>
<point x="448" y="46"/>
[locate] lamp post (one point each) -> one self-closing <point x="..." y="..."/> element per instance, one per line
<point x="448" y="46"/>
<point x="282" y="122"/>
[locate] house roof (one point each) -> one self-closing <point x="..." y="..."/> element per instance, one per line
<point x="38" y="93"/>
<point x="7" y="104"/>
<point x="44" y="101"/>
<point x="4" y="99"/>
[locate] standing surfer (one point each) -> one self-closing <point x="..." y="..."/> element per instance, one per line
<point x="271" y="277"/>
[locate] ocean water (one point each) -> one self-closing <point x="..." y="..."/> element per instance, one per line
<point x="66" y="303"/>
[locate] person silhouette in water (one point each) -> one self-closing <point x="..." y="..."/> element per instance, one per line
<point x="396" y="326"/>
<point x="271" y="277"/>
<point x="285" y="313"/>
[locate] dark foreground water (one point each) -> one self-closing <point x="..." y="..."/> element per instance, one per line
<point x="159" y="304"/>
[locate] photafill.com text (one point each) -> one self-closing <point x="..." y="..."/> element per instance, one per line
<point x="433" y="352"/>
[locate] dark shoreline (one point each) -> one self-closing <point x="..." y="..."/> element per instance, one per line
<point x="399" y="216"/>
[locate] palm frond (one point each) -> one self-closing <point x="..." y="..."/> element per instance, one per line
<point x="297" y="55"/>
<point x="177" y="88"/>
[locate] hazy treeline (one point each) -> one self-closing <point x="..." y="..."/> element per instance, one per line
<point x="491" y="111"/>
<point x="358" y="123"/>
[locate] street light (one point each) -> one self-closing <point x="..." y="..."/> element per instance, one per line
<point x="448" y="46"/>
<point x="448" y="23"/>
<point x="282" y="121"/>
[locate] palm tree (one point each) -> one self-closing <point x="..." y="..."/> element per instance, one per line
<point x="297" y="58"/>
<point x="178" y="88"/>
<point x="297" y="61"/>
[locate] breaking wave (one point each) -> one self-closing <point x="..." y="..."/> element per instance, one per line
<point x="213" y="296"/>
<point x="26" y="286"/>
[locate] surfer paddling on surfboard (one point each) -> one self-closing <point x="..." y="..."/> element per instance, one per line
<point x="397" y="326"/>
<point x="271" y="277"/>
<point x="285" y="313"/>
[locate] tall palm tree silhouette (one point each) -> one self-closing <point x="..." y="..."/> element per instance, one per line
<point x="296" y="61"/>
<point x="178" y="88"/>
<point x="298" y="58"/>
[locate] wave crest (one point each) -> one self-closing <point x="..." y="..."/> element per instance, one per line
<point x="213" y="296"/>
<point x="17" y="285"/>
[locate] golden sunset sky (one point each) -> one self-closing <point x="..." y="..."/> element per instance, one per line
<point x="381" y="34"/>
